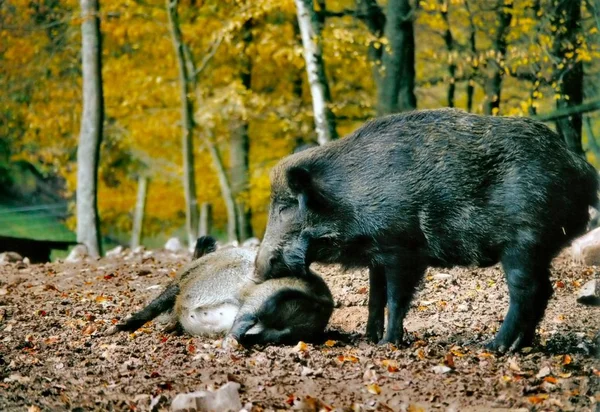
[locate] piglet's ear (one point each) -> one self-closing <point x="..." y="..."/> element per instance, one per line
<point x="306" y="187"/>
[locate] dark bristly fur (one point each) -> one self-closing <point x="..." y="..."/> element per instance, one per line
<point x="432" y="188"/>
<point x="204" y="246"/>
<point x="163" y="303"/>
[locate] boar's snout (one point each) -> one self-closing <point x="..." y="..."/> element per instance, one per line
<point x="265" y="261"/>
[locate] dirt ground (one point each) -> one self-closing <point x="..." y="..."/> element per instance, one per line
<point x="53" y="355"/>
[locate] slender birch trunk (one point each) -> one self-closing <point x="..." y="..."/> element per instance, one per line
<point x="313" y="56"/>
<point x="90" y="138"/>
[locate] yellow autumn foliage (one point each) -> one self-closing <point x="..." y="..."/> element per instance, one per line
<point x="40" y="86"/>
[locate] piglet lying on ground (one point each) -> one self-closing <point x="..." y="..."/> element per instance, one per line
<point x="217" y="294"/>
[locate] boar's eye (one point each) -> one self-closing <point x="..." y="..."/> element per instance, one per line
<point x="283" y="208"/>
<point x="286" y="206"/>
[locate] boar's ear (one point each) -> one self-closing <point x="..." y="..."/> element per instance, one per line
<point x="306" y="187"/>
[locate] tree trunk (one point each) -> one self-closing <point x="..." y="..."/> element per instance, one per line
<point x="592" y="143"/>
<point x="371" y="14"/>
<point x="209" y="141"/>
<point x="92" y="119"/>
<point x="232" y="223"/>
<point x="206" y="220"/>
<point x="567" y="17"/>
<point x="311" y="38"/>
<point x="396" y="92"/>
<point x="186" y="83"/>
<point x="138" y="215"/>
<point x="493" y="83"/>
<point x="239" y="147"/>
<point x="449" y="41"/>
<point x="474" y="66"/>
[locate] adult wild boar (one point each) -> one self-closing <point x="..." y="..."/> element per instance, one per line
<point x="435" y="188"/>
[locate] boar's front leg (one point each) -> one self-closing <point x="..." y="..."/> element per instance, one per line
<point x="377" y="302"/>
<point x="402" y="279"/>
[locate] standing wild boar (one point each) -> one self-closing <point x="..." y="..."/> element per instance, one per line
<point x="435" y="188"/>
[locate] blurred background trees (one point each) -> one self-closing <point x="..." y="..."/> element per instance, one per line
<point x="215" y="112"/>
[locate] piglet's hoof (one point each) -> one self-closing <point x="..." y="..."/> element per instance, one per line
<point x="230" y="343"/>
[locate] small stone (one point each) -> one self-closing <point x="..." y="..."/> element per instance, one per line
<point x="590" y="293"/>
<point x="441" y="369"/>
<point x="226" y="398"/>
<point x="78" y="253"/>
<point x="115" y="252"/>
<point x="463" y="308"/>
<point x="442" y="276"/>
<point x="174" y="245"/>
<point x="10" y="257"/>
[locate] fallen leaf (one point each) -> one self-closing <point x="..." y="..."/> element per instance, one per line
<point x="301" y="347"/>
<point x="290" y="400"/>
<point x="51" y="287"/>
<point x="374" y="389"/>
<point x="538" y="398"/>
<point x="560" y="284"/>
<point x="566" y="360"/>
<point x="89" y="329"/>
<point x="550" y="379"/>
<point x="391" y="365"/>
<point x="565" y="375"/>
<point x="350" y="358"/>
<point x="310" y="404"/>
<point x="455" y="350"/>
<point x="101" y="299"/>
<point x="362" y="290"/>
<point x="421" y="354"/>
<point x="545" y="371"/>
<point x="330" y="343"/>
<point x="16" y="377"/>
<point x="485" y="355"/>
<point x="513" y="365"/>
<point x="449" y="360"/>
<point x="51" y="340"/>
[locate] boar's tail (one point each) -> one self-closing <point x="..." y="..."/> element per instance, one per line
<point x="162" y="303"/>
<point x="204" y="246"/>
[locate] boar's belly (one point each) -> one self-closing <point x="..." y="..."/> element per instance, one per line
<point x="206" y="321"/>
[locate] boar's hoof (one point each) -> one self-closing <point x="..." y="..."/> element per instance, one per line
<point x="374" y="333"/>
<point x="507" y="347"/>
<point x="386" y="341"/>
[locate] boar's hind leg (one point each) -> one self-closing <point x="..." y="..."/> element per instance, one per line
<point x="402" y="280"/>
<point x="377" y="302"/>
<point x="529" y="289"/>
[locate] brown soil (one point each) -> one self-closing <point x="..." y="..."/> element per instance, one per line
<point x="53" y="355"/>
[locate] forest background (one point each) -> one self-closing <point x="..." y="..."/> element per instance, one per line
<point x="250" y="99"/>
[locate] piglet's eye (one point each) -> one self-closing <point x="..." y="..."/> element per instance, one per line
<point x="283" y="208"/>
